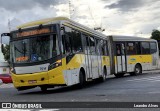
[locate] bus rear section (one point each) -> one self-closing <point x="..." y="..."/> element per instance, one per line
<point x="134" y="55"/>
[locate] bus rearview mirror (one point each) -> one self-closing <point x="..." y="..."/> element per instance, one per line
<point x="5" y="38"/>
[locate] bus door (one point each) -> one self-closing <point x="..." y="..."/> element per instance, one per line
<point x="99" y="58"/>
<point x="88" y="61"/>
<point x="121" y="61"/>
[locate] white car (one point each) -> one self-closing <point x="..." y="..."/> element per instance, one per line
<point x="1" y="81"/>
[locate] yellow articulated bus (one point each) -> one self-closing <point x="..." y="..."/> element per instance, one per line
<point x="133" y="55"/>
<point x="57" y="52"/>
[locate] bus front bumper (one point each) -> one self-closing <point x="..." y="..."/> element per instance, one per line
<point x="36" y="79"/>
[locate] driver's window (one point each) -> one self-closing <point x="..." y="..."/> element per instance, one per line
<point x="67" y="41"/>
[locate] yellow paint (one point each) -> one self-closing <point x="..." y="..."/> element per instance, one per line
<point x="76" y="61"/>
<point x="54" y="76"/>
<point x="26" y="77"/>
<point x="139" y="59"/>
<point x="105" y="61"/>
<point x="115" y="59"/>
<point x="43" y="21"/>
<point x="133" y="59"/>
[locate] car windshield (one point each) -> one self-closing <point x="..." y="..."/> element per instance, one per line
<point x="34" y="49"/>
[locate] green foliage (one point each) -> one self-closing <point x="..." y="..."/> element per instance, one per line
<point x="5" y="51"/>
<point x="156" y="36"/>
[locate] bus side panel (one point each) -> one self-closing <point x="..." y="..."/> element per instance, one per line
<point x="56" y="74"/>
<point x="144" y="60"/>
<point x="111" y="49"/>
<point x="115" y="60"/>
<point x="71" y="73"/>
<point x="106" y="62"/>
<point x="155" y="61"/>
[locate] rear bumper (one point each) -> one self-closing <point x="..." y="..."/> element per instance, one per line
<point x="7" y="81"/>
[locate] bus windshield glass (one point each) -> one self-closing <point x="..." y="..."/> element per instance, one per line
<point x="34" y="49"/>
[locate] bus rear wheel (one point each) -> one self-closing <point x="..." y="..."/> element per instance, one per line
<point x="137" y="70"/>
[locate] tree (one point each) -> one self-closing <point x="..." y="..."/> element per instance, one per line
<point x="5" y="51"/>
<point x="156" y="36"/>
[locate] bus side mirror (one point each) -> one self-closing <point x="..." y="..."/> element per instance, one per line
<point x="2" y="48"/>
<point x="5" y="38"/>
<point x="62" y="31"/>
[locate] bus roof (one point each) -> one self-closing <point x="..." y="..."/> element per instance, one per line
<point x="42" y="21"/>
<point x="130" y="38"/>
<point x="65" y="21"/>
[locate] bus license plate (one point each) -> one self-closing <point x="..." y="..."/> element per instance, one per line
<point x="32" y="81"/>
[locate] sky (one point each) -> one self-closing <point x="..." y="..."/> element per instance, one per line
<point x="117" y="17"/>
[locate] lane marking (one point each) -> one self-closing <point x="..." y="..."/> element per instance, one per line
<point x="149" y="78"/>
<point x="154" y="92"/>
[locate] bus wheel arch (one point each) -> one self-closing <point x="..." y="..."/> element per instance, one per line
<point x="43" y="88"/>
<point x="140" y="66"/>
<point x="137" y="69"/>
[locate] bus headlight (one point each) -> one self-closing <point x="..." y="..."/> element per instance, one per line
<point x="13" y="70"/>
<point x="54" y="65"/>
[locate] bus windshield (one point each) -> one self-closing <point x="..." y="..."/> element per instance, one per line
<point x="34" y="49"/>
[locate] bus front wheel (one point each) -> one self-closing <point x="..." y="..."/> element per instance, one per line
<point x="43" y="88"/>
<point x="82" y="80"/>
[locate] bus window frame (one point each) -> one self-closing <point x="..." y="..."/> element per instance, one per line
<point x="135" y="48"/>
<point x="142" y="50"/>
<point x="150" y="46"/>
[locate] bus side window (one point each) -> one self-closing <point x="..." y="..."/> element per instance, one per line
<point x="77" y="41"/>
<point x="67" y="41"/>
<point x="92" y="45"/>
<point x="63" y="45"/>
<point x="85" y="43"/>
<point x="97" y="47"/>
<point x="138" y="48"/>
<point x="106" y="48"/>
<point x="153" y="47"/>
<point x="118" y="49"/>
<point x="131" y="48"/>
<point x="145" y="48"/>
<point x="102" y="47"/>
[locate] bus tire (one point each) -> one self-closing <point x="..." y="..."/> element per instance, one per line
<point x="43" y="88"/>
<point x="82" y="79"/>
<point x="119" y="75"/>
<point x="137" y="70"/>
<point x="103" y="78"/>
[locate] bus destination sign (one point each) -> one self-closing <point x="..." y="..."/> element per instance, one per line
<point x="33" y="32"/>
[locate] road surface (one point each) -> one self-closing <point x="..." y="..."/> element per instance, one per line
<point x="141" y="88"/>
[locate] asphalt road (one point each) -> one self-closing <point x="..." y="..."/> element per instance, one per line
<point x="141" y="88"/>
